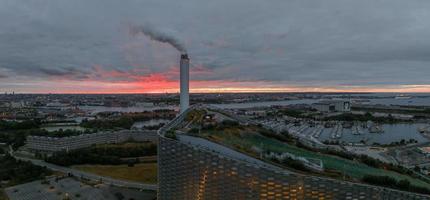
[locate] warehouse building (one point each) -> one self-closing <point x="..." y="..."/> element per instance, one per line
<point x="333" y="106"/>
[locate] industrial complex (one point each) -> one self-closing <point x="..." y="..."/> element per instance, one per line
<point x="207" y="152"/>
<point x="196" y="168"/>
<point x="184" y="82"/>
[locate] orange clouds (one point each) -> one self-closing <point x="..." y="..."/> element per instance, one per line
<point x="101" y="80"/>
<point x="156" y="83"/>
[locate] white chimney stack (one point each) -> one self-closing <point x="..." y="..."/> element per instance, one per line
<point x="185" y="82"/>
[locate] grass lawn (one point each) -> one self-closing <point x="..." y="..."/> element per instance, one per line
<point x="350" y="168"/>
<point x="144" y="173"/>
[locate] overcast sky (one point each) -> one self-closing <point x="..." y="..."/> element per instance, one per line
<point x="235" y="45"/>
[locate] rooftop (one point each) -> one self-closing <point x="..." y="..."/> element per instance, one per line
<point x="245" y="141"/>
<point x="425" y="149"/>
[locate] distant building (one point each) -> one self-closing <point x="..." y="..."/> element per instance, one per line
<point x="260" y="113"/>
<point x="425" y="151"/>
<point x="145" y="104"/>
<point x="56" y="144"/>
<point x="333" y="106"/>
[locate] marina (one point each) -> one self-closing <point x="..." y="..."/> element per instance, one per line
<point x="359" y="132"/>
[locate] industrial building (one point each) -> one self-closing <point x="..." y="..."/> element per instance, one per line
<point x="332" y="106"/>
<point x="184" y="82"/>
<point x="195" y="168"/>
<point x="425" y="151"/>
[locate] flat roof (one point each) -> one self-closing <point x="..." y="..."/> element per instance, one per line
<point x="425" y="149"/>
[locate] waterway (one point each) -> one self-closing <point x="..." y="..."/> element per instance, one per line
<point x="413" y="101"/>
<point x="264" y="104"/>
<point x="392" y="133"/>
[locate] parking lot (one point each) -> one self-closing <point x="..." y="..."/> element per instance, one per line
<point x="69" y="188"/>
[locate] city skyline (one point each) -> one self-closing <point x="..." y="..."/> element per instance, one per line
<point x="207" y="100"/>
<point x="284" y="46"/>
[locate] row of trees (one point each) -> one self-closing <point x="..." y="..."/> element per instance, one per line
<point x="103" y="124"/>
<point x="366" y="117"/>
<point x="13" y="125"/>
<point x="18" y="172"/>
<point x="15" y="138"/>
<point x="390" y="182"/>
<point x="402" y="142"/>
<point x="290" y="113"/>
<point x="126" y="121"/>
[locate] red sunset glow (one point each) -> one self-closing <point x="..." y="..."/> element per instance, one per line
<point x="102" y="81"/>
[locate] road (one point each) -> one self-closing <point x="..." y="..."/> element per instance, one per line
<point x="90" y="176"/>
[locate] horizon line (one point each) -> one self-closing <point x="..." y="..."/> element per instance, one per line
<point x="177" y="93"/>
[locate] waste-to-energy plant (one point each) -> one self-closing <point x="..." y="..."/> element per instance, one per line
<point x="185" y="82"/>
<point x="194" y="168"/>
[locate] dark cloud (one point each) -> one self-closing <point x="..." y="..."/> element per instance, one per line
<point x="297" y="42"/>
<point x="65" y="72"/>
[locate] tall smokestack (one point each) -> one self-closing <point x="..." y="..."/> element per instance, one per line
<point x="185" y="82"/>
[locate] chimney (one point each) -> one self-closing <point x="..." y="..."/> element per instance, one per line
<point x="185" y="82"/>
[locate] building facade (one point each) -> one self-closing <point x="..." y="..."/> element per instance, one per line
<point x="333" y="106"/>
<point x="56" y="144"/>
<point x="189" y="172"/>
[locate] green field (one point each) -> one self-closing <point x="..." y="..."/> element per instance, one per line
<point x="144" y="173"/>
<point x="245" y="141"/>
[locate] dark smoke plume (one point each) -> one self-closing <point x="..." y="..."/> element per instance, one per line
<point x="156" y="35"/>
